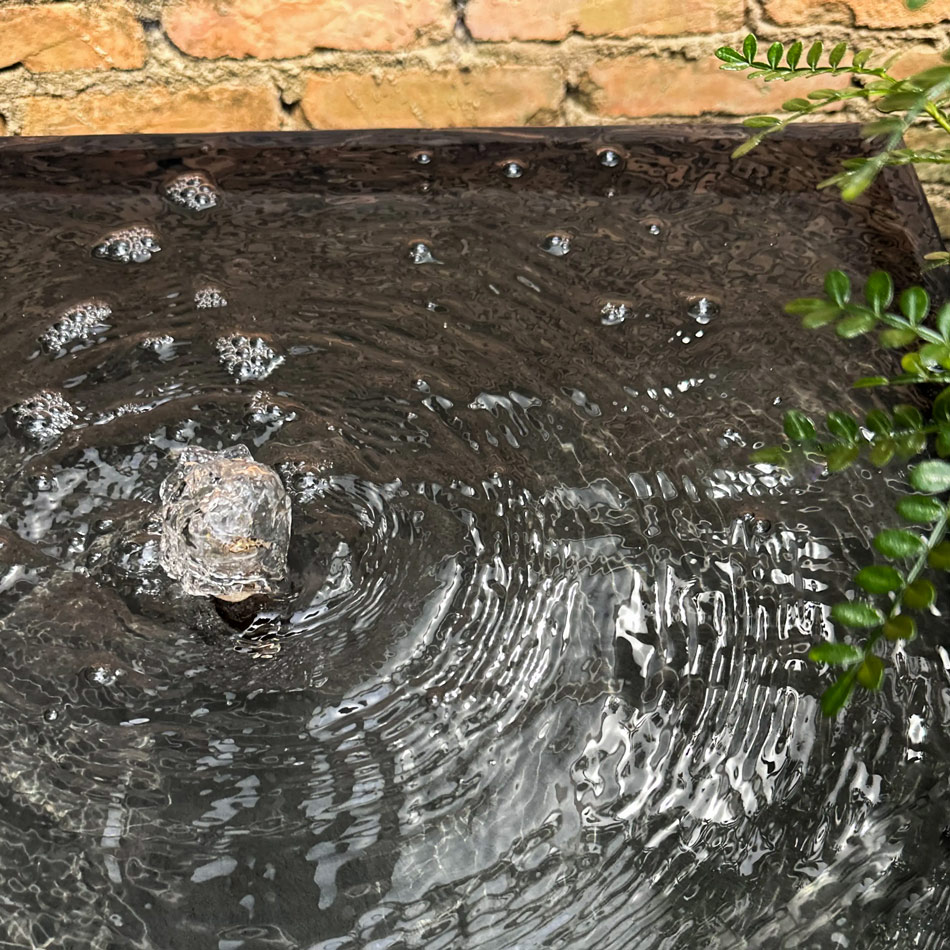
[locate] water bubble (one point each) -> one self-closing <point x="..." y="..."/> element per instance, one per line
<point x="43" y="417"/>
<point x="422" y="157"/>
<point x="557" y="244"/>
<point x="609" y="158"/>
<point x="756" y="524"/>
<point x="654" y="229"/>
<point x="421" y="253"/>
<point x="136" y="244"/>
<point x="512" y="169"/>
<point x="162" y="346"/>
<point x="192" y="190"/>
<point x="50" y="715"/>
<point x="77" y="323"/>
<point x="247" y="359"/>
<point x="702" y="309"/>
<point x="206" y="297"/>
<point x="225" y="524"/>
<point x="613" y="313"/>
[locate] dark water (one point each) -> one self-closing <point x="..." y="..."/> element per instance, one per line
<point x="536" y="676"/>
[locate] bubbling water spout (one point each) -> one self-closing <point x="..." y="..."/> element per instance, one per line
<point x="225" y="524"/>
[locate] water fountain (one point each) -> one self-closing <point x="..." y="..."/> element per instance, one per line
<point x="528" y="669"/>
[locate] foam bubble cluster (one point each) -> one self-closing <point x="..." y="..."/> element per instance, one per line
<point x="192" y="190"/>
<point x="247" y="359"/>
<point x="77" y="323"/>
<point x="42" y="417"/>
<point x="207" y="297"/>
<point x="135" y="244"/>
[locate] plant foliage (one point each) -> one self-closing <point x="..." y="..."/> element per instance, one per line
<point x="889" y="592"/>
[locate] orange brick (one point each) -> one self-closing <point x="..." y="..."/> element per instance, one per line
<point x="154" y="109"/>
<point x="60" y="36"/>
<point x="873" y="13"/>
<point x="502" y="20"/>
<point x="639" y="85"/>
<point x="275" y="29"/>
<point x="420" y="98"/>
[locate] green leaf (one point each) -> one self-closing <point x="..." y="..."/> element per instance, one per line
<point x="910" y="444"/>
<point x="921" y="509"/>
<point x="841" y="457"/>
<point x="919" y="595"/>
<point x="854" y="184"/>
<point x="871" y="672"/>
<point x="941" y="406"/>
<point x="942" y="321"/>
<point x="797" y="105"/>
<point x="942" y="443"/>
<point x="879" y="291"/>
<point x="837" y="54"/>
<point x="856" y="613"/>
<point x="878" y="579"/>
<point x="931" y="77"/>
<point x="838" y="287"/>
<point x="897" y="544"/>
<point x="895" y="337"/>
<point x="854" y="325"/>
<point x="900" y="627"/>
<point x="761" y="122"/>
<point x="931" y="476"/>
<point x="794" y="54"/>
<point x="836" y="696"/>
<point x="798" y="427"/>
<point x="774" y="55"/>
<point x="882" y="452"/>
<point x="939" y="557"/>
<point x="728" y="55"/>
<point x="821" y="317"/>
<point x="934" y="354"/>
<point x="771" y="455"/>
<point x="914" y="304"/>
<point x="814" y="54"/>
<point x="861" y="57"/>
<point x="835" y="654"/>
<point x="843" y="426"/>
<point x="802" y="305"/>
<point x="746" y="146"/>
<point x="877" y="420"/>
<point x="749" y="46"/>
<point x="866" y="382"/>
<point x="822" y="95"/>
<point x="908" y="417"/>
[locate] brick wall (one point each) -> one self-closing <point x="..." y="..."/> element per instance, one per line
<point x="199" y="65"/>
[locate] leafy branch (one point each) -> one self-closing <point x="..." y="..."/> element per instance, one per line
<point x="901" y="591"/>
<point x="900" y="101"/>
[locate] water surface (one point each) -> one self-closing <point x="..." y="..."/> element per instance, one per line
<point x="536" y="677"/>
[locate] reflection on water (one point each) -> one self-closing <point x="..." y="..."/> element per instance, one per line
<point x="535" y="675"/>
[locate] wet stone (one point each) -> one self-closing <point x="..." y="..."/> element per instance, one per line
<point x="207" y="297"/>
<point x="77" y="323"/>
<point x="225" y="524"/>
<point x="43" y="417"/>
<point x="193" y="190"/>
<point x="247" y="359"/>
<point x="135" y="245"/>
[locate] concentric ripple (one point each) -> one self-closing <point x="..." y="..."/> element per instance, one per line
<point x="535" y="677"/>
